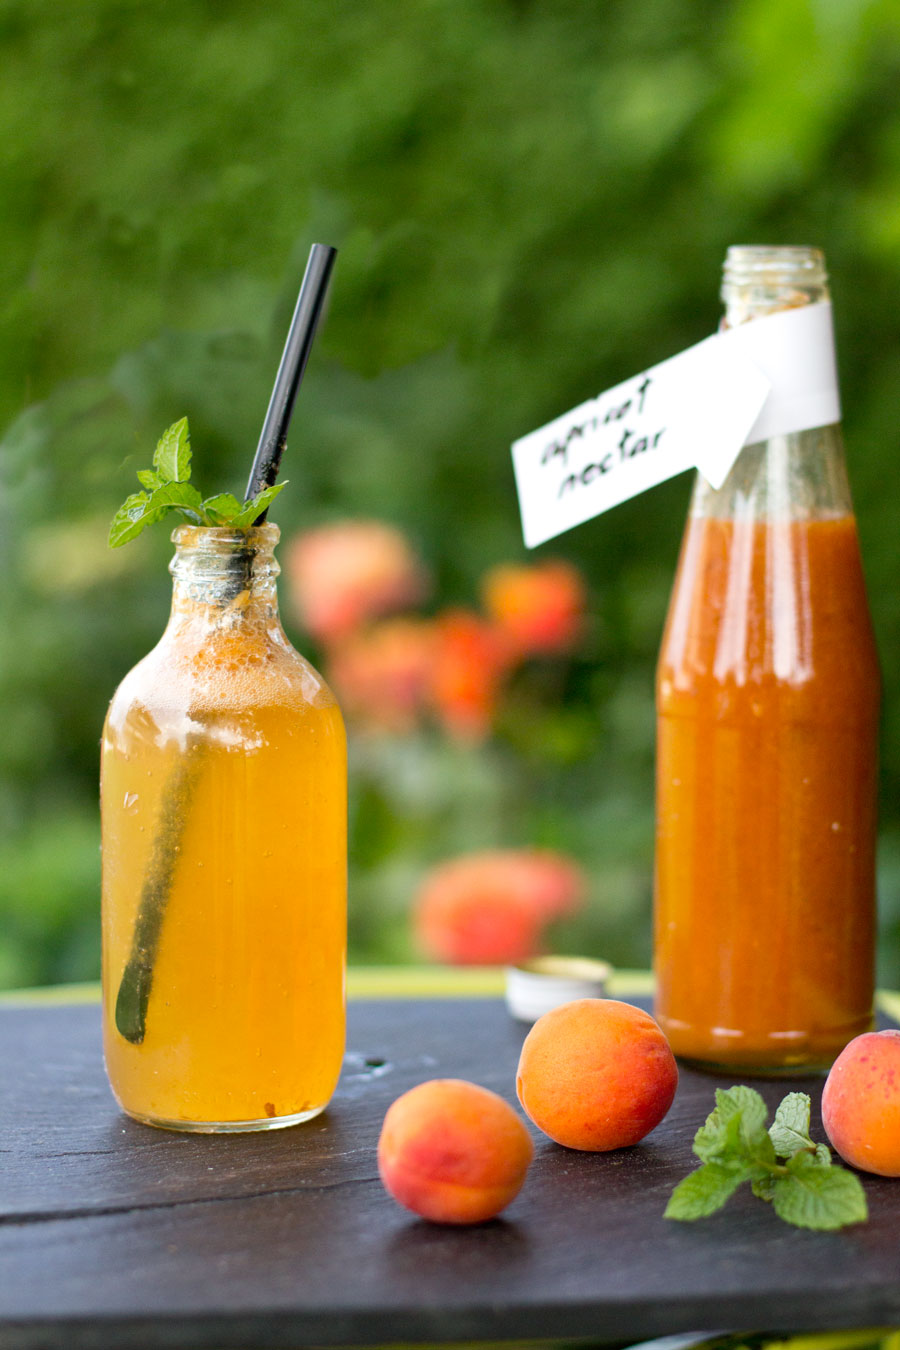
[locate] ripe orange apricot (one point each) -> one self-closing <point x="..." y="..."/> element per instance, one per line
<point x="861" y="1103"/>
<point x="453" y="1152"/>
<point x="596" y="1074"/>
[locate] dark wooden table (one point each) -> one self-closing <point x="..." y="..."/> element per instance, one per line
<point x="115" y="1235"/>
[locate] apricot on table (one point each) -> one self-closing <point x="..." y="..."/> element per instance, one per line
<point x="861" y="1103"/>
<point x="596" y="1074"/>
<point x="453" y="1152"/>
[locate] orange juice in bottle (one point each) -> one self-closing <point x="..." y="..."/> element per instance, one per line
<point x="768" y="694"/>
<point x="224" y="858"/>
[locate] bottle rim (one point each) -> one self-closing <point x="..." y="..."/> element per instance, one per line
<point x="224" y="538"/>
<point x="774" y="265"/>
<point x="216" y="562"/>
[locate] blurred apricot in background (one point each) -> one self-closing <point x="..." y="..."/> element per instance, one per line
<point x="395" y="673"/>
<point x="471" y="659"/>
<point x="539" y="608"/>
<point x="344" y="574"/>
<point x="382" y="675"/>
<point x="492" y="907"/>
<point x="556" y="885"/>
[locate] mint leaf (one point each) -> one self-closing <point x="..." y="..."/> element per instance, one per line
<point x="764" y="1186"/>
<point x="762" y="1155"/>
<point x="178" y="496"/>
<point x="813" y="1196"/>
<point x="789" y="1130"/>
<point x="749" y="1105"/>
<point x="735" y="1146"/>
<point x="261" y="502"/>
<point x="716" y="1137"/>
<point x="704" y="1191"/>
<point x="172" y="459"/>
<point x="737" y="1126"/>
<point x="221" y="510"/>
<point x="130" y="519"/>
<point x="166" y="488"/>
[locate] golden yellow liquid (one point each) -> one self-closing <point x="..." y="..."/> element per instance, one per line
<point x="245" y="1019"/>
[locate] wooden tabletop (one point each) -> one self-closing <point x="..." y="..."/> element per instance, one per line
<point x="116" y="1235"/>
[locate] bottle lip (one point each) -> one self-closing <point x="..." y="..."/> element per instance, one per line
<point x="215" y="563"/>
<point x="774" y="265"/>
<point x="224" y="539"/>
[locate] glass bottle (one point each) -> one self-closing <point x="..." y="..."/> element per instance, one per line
<point x="768" y="693"/>
<point x="223" y="789"/>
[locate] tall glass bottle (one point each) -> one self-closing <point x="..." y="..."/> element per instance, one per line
<point x="223" y="787"/>
<point x="768" y="694"/>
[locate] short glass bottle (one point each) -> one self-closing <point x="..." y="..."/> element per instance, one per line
<point x="768" y="692"/>
<point x="224" y="806"/>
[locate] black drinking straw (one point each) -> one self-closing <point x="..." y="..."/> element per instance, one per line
<point x="137" y="977"/>
<point x="300" y="338"/>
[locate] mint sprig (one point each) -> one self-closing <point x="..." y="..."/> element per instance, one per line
<point x="167" y="487"/>
<point x="734" y="1146"/>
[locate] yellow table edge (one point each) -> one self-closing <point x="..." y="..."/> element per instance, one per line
<point x="366" y="982"/>
<point x="401" y="982"/>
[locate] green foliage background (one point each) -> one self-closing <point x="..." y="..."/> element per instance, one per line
<point x="531" y="201"/>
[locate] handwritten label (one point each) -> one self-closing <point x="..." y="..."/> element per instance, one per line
<point x="696" y="410"/>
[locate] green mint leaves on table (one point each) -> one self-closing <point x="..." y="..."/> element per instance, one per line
<point x="167" y="487"/>
<point x="782" y="1164"/>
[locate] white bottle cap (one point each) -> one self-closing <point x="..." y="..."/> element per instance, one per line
<point x="534" y="987"/>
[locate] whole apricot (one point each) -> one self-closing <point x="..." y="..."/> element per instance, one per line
<point x="453" y="1152"/>
<point x="596" y="1074"/>
<point x="861" y="1103"/>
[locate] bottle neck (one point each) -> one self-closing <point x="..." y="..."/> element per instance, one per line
<point x="801" y="475"/>
<point x="759" y="279"/>
<point x="222" y="576"/>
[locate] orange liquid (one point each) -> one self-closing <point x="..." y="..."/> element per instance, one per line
<point x="245" y="1020"/>
<point x="767" y="695"/>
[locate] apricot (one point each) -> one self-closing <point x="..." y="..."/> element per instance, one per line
<point x="453" y="1152"/>
<point x="472" y="658"/>
<point x="490" y="907"/>
<point x="596" y="1074"/>
<point x="539" y="606"/>
<point x="861" y="1103"/>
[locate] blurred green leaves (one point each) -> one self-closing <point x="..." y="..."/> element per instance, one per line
<point x="531" y="202"/>
<point x="49" y="934"/>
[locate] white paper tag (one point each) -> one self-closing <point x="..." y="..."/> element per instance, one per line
<point x="697" y="410"/>
<point x="795" y="350"/>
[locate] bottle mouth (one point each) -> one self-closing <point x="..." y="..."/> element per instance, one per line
<point x="772" y="266"/>
<point x="223" y="540"/>
<point x="215" y="563"/>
